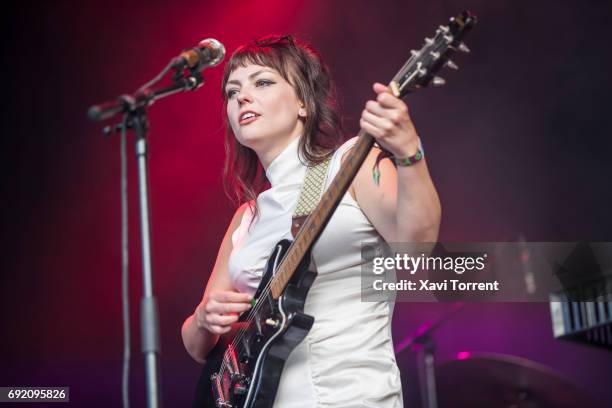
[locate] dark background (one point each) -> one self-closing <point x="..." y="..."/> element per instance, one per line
<point x="518" y="144"/>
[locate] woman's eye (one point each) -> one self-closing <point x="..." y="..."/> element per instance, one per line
<point x="259" y="83"/>
<point x="263" y="82"/>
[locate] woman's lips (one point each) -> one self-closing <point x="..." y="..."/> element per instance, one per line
<point x="248" y="120"/>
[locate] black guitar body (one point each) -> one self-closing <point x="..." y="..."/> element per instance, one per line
<point x="243" y="371"/>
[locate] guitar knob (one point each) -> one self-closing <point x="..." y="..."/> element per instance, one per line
<point x="438" y="81"/>
<point x="240" y="387"/>
<point x="272" y="322"/>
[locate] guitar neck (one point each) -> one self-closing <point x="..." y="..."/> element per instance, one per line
<point x="318" y="219"/>
<point x="416" y="73"/>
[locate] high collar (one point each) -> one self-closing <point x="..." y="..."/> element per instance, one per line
<point x="287" y="166"/>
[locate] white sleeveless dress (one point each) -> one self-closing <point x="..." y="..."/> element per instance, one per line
<point x="347" y="359"/>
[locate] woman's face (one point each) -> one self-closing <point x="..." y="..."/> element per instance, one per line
<point x="262" y="108"/>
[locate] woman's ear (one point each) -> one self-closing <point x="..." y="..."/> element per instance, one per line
<point x="302" y="112"/>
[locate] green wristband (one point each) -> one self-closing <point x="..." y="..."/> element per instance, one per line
<point x="409" y="161"/>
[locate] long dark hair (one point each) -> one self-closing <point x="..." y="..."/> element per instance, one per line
<point x="300" y="65"/>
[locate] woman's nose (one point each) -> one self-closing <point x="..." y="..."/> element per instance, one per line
<point x="243" y="97"/>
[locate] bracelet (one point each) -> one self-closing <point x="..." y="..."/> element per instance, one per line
<point x="409" y="161"/>
<point x="405" y="162"/>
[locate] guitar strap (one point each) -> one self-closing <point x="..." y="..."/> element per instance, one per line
<point x="310" y="194"/>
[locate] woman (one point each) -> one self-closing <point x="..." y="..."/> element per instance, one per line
<point x="281" y="114"/>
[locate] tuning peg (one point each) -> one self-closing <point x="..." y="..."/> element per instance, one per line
<point x="414" y="53"/>
<point x="451" y="64"/>
<point x="463" y="48"/>
<point x="435" y="55"/>
<point x="438" y="81"/>
<point x="429" y="41"/>
<point x="444" y="29"/>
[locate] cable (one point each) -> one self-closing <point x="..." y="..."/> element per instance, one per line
<point x="125" y="301"/>
<point x="156" y="79"/>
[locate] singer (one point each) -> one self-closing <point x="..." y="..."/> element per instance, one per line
<point x="281" y="118"/>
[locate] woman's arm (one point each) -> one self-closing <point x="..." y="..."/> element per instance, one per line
<point x="220" y="304"/>
<point x="405" y="206"/>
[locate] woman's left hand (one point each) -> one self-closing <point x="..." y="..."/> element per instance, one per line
<point x="387" y="119"/>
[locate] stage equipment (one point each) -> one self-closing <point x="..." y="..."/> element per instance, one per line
<point x="498" y="380"/>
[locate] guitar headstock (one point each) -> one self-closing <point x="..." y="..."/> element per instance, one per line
<point x="420" y="69"/>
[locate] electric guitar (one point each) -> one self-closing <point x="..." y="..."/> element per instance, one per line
<point x="243" y="370"/>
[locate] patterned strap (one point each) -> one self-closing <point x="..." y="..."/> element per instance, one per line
<point x="310" y="194"/>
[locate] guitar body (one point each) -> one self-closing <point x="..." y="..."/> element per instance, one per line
<point x="244" y="368"/>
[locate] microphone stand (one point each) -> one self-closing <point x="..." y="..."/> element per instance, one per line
<point x="422" y="342"/>
<point x="134" y="108"/>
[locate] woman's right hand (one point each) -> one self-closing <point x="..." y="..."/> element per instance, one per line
<point x="220" y="309"/>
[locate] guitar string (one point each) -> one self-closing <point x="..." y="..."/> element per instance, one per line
<point x="241" y="332"/>
<point x="264" y="293"/>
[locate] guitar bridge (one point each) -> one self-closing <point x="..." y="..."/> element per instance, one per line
<point x="220" y="396"/>
<point x="229" y="384"/>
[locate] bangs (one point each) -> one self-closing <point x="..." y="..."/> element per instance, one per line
<point x="271" y="57"/>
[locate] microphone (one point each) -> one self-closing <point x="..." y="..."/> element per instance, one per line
<point x="208" y="53"/>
